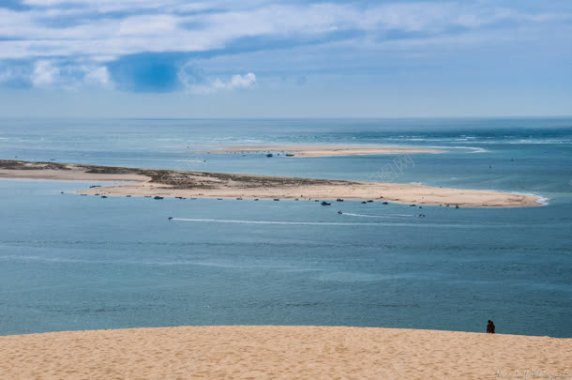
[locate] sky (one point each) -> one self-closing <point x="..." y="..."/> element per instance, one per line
<point x="274" y="58"/>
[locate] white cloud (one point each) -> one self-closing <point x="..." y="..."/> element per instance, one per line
<point x="57" y="30"/>
<point x="71" y="41"/>
<point x="70" y="76"/>
<point x="236" y="82"/>
<point x="7" y="74"/>
<point x="98" y="77"/>
<point x="200" y="86"/>
<point x="148" y="25"/>
<point x="105" y="5"/>
<point x="75" y="7"/>
<point x="44" y="74"/>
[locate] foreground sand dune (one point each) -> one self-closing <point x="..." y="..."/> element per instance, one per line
<point x="267" y="352"/>
<point x="172" y="183"/>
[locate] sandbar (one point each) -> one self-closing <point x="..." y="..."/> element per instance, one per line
<point x="302" y="151"/>
<point x="192" y="184"/>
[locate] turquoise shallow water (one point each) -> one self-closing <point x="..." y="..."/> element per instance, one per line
<point x="72" y="262"/>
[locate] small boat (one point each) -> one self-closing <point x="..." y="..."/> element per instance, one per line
<point x="170" y="218"/>
<point x="157" y="197"/>
<point x="340" y="212"/>
<point x="324" y="203"/>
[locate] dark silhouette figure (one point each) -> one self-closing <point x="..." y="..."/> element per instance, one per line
<point x="490" y="327"/>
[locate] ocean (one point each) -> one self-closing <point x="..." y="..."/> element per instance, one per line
<point x="70" y="262"/>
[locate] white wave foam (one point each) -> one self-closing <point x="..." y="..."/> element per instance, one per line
<point x="478" y="150"/>
<point x="548" y="141"/>
<point x="469" y="149"/>
<point x="541" y="200"/>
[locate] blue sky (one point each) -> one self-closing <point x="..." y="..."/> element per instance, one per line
<point x="271" y="58"/>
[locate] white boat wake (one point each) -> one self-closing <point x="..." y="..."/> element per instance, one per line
<point x="277" y="222"/>
<point x="387" y="216"/>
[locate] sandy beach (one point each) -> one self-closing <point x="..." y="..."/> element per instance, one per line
<point x="323" y="150"/>
<point x="268" y="352"/>
<point x="186" y="184"/>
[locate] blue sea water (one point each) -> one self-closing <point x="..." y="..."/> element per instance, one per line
<point x="71" y="262"/>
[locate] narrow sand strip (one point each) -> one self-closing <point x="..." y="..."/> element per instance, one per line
<point x="324" y="150"/>
<point x="186" y="184"/>
<point x="267" y="352"/>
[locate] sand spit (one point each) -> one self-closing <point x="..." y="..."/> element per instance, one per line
<point x="323" y="150"/>
<point x="187" y="184"/>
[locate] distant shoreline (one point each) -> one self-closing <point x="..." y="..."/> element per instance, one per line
<point x="190" y="184"/>
<point x="301" y="352"/>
